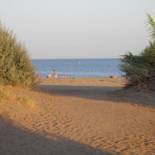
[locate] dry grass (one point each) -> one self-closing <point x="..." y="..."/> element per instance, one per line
<point x="26" y="101"/>
<point x="8" y="93"/>
<point x="4" y="94"/>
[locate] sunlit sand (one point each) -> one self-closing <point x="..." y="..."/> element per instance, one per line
<point x="77" y="117"/>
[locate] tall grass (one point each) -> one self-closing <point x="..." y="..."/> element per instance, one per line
<point x="140" y="69"/>
<point x="15" y="64"/>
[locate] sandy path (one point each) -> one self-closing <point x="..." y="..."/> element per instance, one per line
<point x="74" y="119"/>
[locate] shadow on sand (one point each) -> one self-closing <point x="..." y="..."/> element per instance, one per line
<point x="115" y="94"/>
<point x="15" y="140"/>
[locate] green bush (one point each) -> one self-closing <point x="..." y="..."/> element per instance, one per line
<point x="15" y="65"/>
<point x="140" y="69"/>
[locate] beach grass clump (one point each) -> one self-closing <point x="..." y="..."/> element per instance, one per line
<point x="15" y="65"/>
<point x="26" y="101"/>
<point x="4" y="94"/>
<point x="140" y="69"/>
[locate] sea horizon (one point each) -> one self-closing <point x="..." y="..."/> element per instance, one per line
<point x="74" y="58"/>
<point x="76" y="67"/>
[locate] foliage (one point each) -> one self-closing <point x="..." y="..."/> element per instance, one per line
<point x="140" y="69"/>
<point x="15" y="65"/>
<point x="151" y="22"/>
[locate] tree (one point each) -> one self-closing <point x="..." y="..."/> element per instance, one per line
<point x="140" y="69"/>
<point x="151" y="22"/>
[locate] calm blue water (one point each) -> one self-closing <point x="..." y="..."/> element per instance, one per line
<point x="79" y="67"/>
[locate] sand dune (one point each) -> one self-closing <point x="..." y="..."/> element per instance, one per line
<point x="79" y="117"/>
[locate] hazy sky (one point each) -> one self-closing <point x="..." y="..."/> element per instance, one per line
<point x="78" y="28"/>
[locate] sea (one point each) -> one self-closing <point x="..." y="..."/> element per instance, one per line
<point x="78" y="67"/>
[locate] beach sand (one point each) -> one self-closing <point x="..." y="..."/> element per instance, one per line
<point x="81" y="116"/>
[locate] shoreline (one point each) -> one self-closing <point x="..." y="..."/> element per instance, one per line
<point x="86" y="81"/>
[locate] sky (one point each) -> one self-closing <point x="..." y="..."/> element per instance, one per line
<point x="78" y="28"/>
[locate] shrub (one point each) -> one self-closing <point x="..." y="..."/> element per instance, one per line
<point x="140" y="69"/>
<point x="15" y="65"/>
